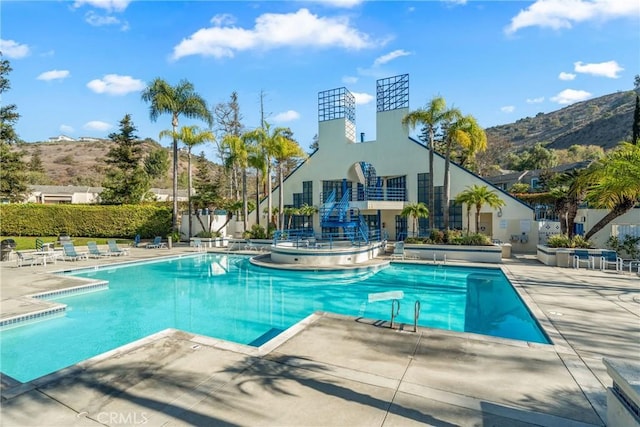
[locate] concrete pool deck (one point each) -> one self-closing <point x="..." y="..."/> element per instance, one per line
<point x="337" y="370"/>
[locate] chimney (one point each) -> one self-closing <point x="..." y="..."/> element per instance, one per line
<point x="361" y="136"/>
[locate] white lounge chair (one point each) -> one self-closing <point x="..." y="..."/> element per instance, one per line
<point x="115" y="250"/>
<point x="157" y="243"/>
<point x="398" y="251"/>
<point x="29" y="259"/>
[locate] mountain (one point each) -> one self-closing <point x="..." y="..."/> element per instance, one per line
<point x="83" y="162"/>
<point x="604" y="121"/>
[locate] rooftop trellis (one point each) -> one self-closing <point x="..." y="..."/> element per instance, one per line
<point x="392" y="93"/>
<point x="336" y="104"/>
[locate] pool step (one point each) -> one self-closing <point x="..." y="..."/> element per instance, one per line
<point x="267" y="336"/>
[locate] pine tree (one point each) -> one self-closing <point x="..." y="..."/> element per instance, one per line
<point x="126" y="181"/>
<point x="635" y="139"/>
<point x="13" y="170"/>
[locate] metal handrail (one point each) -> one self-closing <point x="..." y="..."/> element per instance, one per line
<point x="416" y="315"/>
<point x="394" y="311"/>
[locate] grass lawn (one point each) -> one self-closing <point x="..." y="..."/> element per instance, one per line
<point x="26" y="243"/>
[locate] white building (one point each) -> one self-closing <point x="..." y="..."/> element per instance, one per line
<point x="57" y="194"/>
<point x="61" y="138"/>
<point x="381" y="177"/>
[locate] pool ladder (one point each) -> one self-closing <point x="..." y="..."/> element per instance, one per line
<point x="395" y="310"/>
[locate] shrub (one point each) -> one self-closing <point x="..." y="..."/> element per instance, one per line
<point x="630" y="245"/>
<point x="257" y="232"/>
<point x="85" y="220"/>
<point x="559" y="241"/>
<point x="563" y="241"/>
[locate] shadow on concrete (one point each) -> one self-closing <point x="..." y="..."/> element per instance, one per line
<point x="270" y="373"/>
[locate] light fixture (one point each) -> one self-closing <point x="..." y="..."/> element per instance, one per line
<point x="499" y="212"/>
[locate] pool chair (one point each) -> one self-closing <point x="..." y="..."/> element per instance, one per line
<point x="157" y="243"/>
<point x="250" y="246"/>
<point x="115" y="250"/>
<point x="581" y="256"/>
<point x="95" y="252"/>
<point x="610" y="258"/>
<point x="398" y="251"/>
<point x="69" y="253"/>
<point x="197" y="245"/>
<point x="28" y="259"/>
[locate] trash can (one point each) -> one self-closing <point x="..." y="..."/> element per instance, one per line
<point x="6" y="247"/>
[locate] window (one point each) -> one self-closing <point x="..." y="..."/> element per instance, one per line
<point x="307" y="193"/>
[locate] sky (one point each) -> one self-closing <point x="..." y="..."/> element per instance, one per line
<point x="80" y="66"/>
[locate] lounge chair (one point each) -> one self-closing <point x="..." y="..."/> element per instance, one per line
<point x="29" y="259"/>
<point x="70" y="254"/>
<point x="197" y="244"/>
<point x="95" y="252"/>
<point x="157" y="243"/>
<point x="136" y="241"/>
<point x="398" y="251"/>
<point x="581" y="256"/>
<point x="115" y="250"/>
<point x="250" y="246"/>
<point x="610" y="258"/>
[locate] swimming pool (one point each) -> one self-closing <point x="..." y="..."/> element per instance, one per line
<point x="224" y="296"/>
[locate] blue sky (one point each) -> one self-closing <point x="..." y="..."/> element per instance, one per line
<point x="79" y="66"/>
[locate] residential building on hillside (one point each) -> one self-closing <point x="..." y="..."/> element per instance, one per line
<point x="533" y="177"/>
<point x="57" y="194"/>
<point x="378" y="178"/>
<point x="61" y="138"/>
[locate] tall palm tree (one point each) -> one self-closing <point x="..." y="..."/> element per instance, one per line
<point x="431" y="118"/>
<point x="465" y="132"/>
<point x="238" y="158"/>
<point x="179" y="100"/>
<point x="613" y="183"/>
<point x="257" y="160"/>
<point x="479" y="195"/>
<point x="415" y="211"/>
<point x="269" y="140"/>
<point x="190" y="136"/>
<point x="285" y="150"/>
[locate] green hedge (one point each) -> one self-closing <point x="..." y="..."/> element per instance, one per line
<point x="84" y="220"/>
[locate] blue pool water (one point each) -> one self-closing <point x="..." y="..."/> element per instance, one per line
<point x="226" y="297"/>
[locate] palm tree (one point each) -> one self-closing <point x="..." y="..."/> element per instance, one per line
<point x="430" y="117"/>
<point x="613" y="183"/>
<point x="274" y="143"/>
<point x="466" y="133"/>
<point x="190" y="136"/>
<point x="178" y="100"/>
<point x="238" y="158"/>
<point x="479" y="195"/>
<point x="257" y="160"/>
<point x="285" y="150"/>
<point x="415" y="211"/>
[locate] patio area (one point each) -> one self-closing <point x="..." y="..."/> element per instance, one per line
<point x="336" y="370"/>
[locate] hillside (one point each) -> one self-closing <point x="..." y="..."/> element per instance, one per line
<point x="603" y="121"/>
<point x="82" y="162"/>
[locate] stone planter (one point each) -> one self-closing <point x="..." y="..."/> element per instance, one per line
<point x="490" y="254"/>
<point x="547" y="255"/>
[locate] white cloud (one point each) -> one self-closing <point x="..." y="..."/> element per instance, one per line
<point x="13" y="49"/>
<point x="223" y="19"/>
<point x="566" y="76"/>
<point x="603" y="69"/>
<point x="535" y="100"/>
<point x="362" y="98"/>
<point x="286" y="116"/>
<point x="349" y="79"/>
<point x="108" y="5"/>
<point x="97" y="125"/>
<point x="340" y="3"/>
<point x="114" y="84"/>
<point x="53" y="75"/>
<point x="569" y="96"/>
<point x="508" y="109"/>
<point x="390" y="57"/>
<point x="67" y="129"/>
<point x="273" y="30"/>
<point x="557" y="14"/>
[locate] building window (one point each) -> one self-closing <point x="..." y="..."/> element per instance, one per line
<point x="297" y="200"/>
<point x="397" y="188"/>
<point x="307" y="193"/>
<point x="535" y="183"/>
<point x="329" y="186"/>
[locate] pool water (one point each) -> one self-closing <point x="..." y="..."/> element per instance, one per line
<point x="226" y="297"/>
